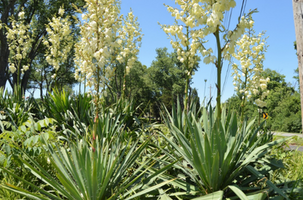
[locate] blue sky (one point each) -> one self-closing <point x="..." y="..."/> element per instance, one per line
<point x="274" y="17"/>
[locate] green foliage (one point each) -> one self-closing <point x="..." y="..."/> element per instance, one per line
<point x="292" y="172"/>
<point x="283" y="105"/>
<point x="41" y="79"/>
<point x="234" y="103"/>
<point x="71" y="111"/>
<point x="286" y="117"/>
<point x="166" y="72"/>
<point x="193" y="157"/>
<point x="162" y="82"/>
<point x="128" y="112"/>
<point x="137" y="88"/>
<point x="114" y="169"/>
<point x="213" y="155"/>
<point x="167" y="78"/>
<point x="27" y="137"/>
<point x="57" y="149"/>
<point x="29" y="134"/>
<point x="14" y="109"/>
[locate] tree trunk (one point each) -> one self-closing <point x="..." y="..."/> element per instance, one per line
<point x="4" y="54"/>
<point x="3" y="72"/>
<point x="298" y="19"/>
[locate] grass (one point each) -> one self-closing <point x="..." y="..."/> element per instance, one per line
<point x="295" y="140"/>
<point x="292" y="172"/>
<point x="292" y="160"/>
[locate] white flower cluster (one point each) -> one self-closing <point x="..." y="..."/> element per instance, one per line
<point x="59" y="41"/>
<point x="130" y="40"/>
<point x="98" y="42"/>
<point x="186" y="37"/>
<point x="20" y="39"/>
<point x="203" y="17"/>
<point x="250" y="54"/>
<point x="260" y="103"/>
<point x="233" y="36"/>
<point x="202" y="12"/>
<point x="186" y="48"/>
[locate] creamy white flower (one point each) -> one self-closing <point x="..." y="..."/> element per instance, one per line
<point x="100" y="44"/>
<point x="21" y="14"/>
<point x="250" y="53"/>
<point x="207" y="60"/>
<point x="61" y="11"/>
<point x="18" y="56"/>
<point x="263" y="86"/>
<point x="59" y="41"/>
<point x="260" y="103"/>
<point x="12" y="68"/>
<point x="45" y="42"/>
<point x="25" y="67"/>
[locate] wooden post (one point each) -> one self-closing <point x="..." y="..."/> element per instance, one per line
<point x="298" y="19"/>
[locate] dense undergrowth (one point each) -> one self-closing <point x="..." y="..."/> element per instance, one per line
<point x="48" y="151"/>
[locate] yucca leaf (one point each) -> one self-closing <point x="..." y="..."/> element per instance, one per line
<point x="25" y="193"/>
<point x="213" y="196"/>
<point x="148" y="190"/>
<point x="268" y="182"/>
<point x="15" y="188"/>
<point x="238" y="192"/>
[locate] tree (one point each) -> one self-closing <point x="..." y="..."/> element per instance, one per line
<point x="276" y="79"/>
<point x="284" y="109"/>
<point x="234" y="103"/>
<point x="35" y="15"/>
<point x="136" y="86"/>
<point x="282" y="104"/>
<point x="41" y="76"/>
<point x="297" y="8"/>
<point x="296" y="77"/>
<point x="167" y="79"/>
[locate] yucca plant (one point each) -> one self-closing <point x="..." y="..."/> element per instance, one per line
<point x="73" y="112"/>
<point x="113" y="169"/>
<point x="212" y="154"/>
<point x="127" y="110"/>
<point x="14" y="109"/>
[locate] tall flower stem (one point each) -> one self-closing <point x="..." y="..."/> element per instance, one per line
<point x="244" y="98"/>
<point x="219" y="65"/>
<point x="187" y="74"/>
<point x="124" y="80"/>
